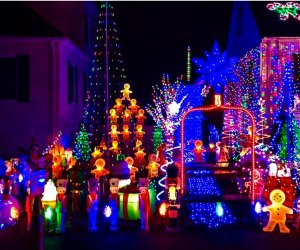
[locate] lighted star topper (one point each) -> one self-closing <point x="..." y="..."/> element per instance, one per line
<point x="290" y="8"/>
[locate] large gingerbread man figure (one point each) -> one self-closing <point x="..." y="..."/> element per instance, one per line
<point x="277" y="212"/>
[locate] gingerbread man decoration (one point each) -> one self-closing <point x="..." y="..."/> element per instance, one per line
<point x="119" y="106"/>
<point x="133" y="169"/>
<point x="153" y="166"/>
<point x="133" y="106"/>
<point x="114" y="148"/>
<point x="126" y="92"/>
<point x="125" y="133"/>
<point x="277" y="212"/>
<point x="140" y="117"/>
<point x="100" y="170"/>
<point x="97" y="153"/>
<point x="126" y="117"/>
<point x="114" y="133"/>
<point x="139" y="158"/>
<point x="113" y="117"/>
<point x="139" y="133"/>
<point x="198" y="151"/>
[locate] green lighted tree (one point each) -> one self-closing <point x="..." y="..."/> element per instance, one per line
<point x="294" y="142"/>
<point x="82" y="146"/>
<point x="157" y="137"/>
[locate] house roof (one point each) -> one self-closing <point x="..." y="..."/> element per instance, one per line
<point x="16" y="19"/>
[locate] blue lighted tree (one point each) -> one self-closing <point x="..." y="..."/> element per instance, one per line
<point x="286" y="139"/>
<point x="214" y="135"/>
<point x="217" y="70"/>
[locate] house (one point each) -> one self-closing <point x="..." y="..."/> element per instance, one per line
<point x="44" y="66"/>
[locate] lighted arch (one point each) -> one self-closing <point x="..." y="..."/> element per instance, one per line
<point x="217" y="106"/>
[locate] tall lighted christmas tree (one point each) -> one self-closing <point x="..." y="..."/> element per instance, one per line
<point x="82" y="148"/>
<point x="107" y="76"/>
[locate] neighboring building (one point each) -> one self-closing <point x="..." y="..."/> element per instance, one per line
<point x="243" y="33"/>
<point x="44" y="67"/>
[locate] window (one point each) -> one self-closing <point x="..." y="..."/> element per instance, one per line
<point x="70" y="83"/>
<point x="23" y="78"/>
<point x="14" y="78"/>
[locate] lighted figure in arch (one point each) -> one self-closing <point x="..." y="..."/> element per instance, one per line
<point x="144" y="203"/>
<point x="126" y="117"/>
<point x="222" y="154"/>
<point x="100" y="170"/>
<point x="114" y="202"/>
<point x="119" y="106"/>
<point x="113" y="117"/>
<point x="92" y="204"/>
<point x="133" y="169"/>
<point x="198" y="151"/>
<point x="61" y="205"/>
<point x="126" y="92"/>
<point x="114" y="148"/>
<point x="139" y="133"/>
<point x="140" y="117"/>
<point x="114" y="133"/>
<point x="277" y="212"/>
<point x="133" y="106"/>
<point x="153" y="166"/>
<point x="125" y="133"/>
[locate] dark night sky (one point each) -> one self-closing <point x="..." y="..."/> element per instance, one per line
<point x="154" y="35"/>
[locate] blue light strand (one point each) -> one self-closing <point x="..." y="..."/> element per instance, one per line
<point x="205" y="213"/>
